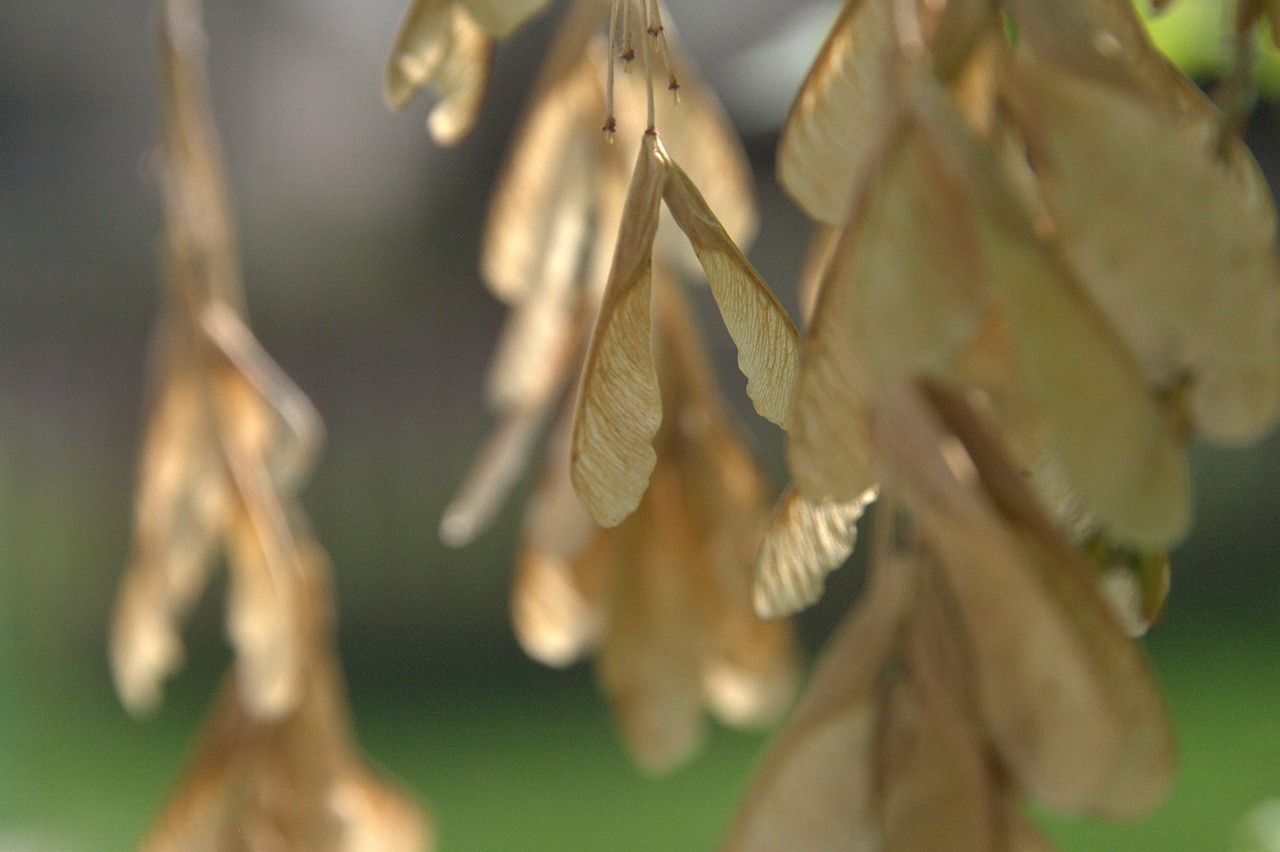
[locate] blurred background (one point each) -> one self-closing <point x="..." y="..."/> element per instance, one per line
<point x="360" y="241"/>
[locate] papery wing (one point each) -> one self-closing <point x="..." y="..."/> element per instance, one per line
<point x="817" y="260"/>
<point x="619" y="407"/>
<point x="545" y="329"/>
<point x="938" y="786"/>
<point x="420" y="48"/>
<point x="200" y="811"/>
<point x="546" y="188"/>
<point x="815" y="789"/>
<point x="829" y="447"/>
<point x="844" y="107"/>
<point x="1068" y="699"/>
<point x="1176" y="245"/>
<point x="805" y="541"/>
<point x="263" y="618"/>
<point x="440" y="45"/>
<point x="647" y="661"/>
<point x="910" y="264"/>
<point x="557" y="596"/>
<point x="1113" y="440"/>
<point x="768" y="345"/>
<point x="461" y="81"/>
<point x="180" y="510"/>
<point x="376" y="817"/>
<point x="701" y="138"/>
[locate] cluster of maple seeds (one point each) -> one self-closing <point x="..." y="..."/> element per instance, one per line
<point x="1044" y="261"/>
<point x="229" y="442"/>
<point x="1041" y="253"/>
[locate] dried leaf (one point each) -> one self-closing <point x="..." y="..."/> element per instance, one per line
<point x="766" y="339"/>
<point x="619" y="406"/>
<point x="846" y="102"/>
<point x="804" y="543"/>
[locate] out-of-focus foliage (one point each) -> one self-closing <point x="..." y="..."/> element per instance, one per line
<point x="1195" y="34"/>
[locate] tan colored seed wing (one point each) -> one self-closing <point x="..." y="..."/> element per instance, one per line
<point x="500" y="18"/>
<point x="619" y="406"/>
<point x="647" y="662"/>
<point x="1106" y="429"/>
<point x="1067" y="698"/>
<point x="421" y="45"/>
<point x="846" y="101"/>
<point x="765" y="336"/>
<point x="815" y="790"/>
<point x="440" y="45"/>
<point x="262" y="598"/>
<point x="805" y="541"/>
<point x="547" y="187"/>
<point x="938" y="787"/>
<point x="1174" y="244"/>
<point x="910" y="264"/>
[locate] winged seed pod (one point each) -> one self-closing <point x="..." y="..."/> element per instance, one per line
<point x="295" y="782"/>
<point x="663" y="599"/>
<point x="619" y="408"/>
<point x="966" y="238"/>
<point x="229" y="437"/>
<point x="448" y="45"/>
<point x="229" y="441"/>
<point x="1016" y="357"/>
<point x="980" y="667"/>
<point x="552" y="227"/>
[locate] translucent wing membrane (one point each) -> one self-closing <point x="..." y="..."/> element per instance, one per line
<point x="841" y="113"/>
<point x="229" y="441"/>
<point x="440" y="45"/>
<point x="765" y="337"/>
<point x="619" y="406"/>
<point x="804" y="542"/>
